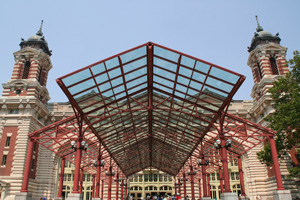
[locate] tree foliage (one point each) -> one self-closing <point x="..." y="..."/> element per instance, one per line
<point x="286" y="118"/>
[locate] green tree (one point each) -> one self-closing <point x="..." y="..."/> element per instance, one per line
<point x="286" y="118"/>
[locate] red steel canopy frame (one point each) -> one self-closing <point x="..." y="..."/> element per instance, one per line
<point x="151" y="106"/>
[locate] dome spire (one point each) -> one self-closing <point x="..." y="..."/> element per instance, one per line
<point x="259" y="28"/>
<point x="40" y="31"/>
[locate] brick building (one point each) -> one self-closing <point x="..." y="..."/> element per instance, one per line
<point x="24" y="108"/>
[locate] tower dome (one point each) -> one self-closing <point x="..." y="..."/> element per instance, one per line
<point x="37" y="41"/>
<point x="262" y="37"/>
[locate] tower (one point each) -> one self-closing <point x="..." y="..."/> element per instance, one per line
<point x="30" y="72"/>
<point x="267" y="61"/>
<point x="23" y="110"/>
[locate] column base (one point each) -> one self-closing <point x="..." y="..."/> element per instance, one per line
<point x="228" y="196"/>
<point x="96" y="199"/>
<point x="206" y="198"/>
<point x="23" y="196"/>
<point x="75" y="196"/>
<point x="282" y="195"/>
<point x="244" y="198"/>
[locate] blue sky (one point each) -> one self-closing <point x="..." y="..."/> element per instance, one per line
<point x="83" y="32"/>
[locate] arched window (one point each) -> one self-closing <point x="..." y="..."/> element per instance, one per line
<point x="259" y="71"/>
<point x="237" y="188"/>
<point x="65" y="191"/>
<point x="274" y="66"/>
<point x="26" y="70"/>
<point x="213" y="191"/>
<point x="41" y="77"/>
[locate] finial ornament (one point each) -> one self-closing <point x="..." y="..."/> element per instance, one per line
<point x="40" y="31"/>
<point x="259" y="28"/>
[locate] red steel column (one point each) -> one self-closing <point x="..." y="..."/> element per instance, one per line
<point x="241" y="176"/>
<point x="276" y="164"/>
<point x="122" y="189"/>
<point x="77" y="167"/>
<point x="204" y="177"/>
<point x="192" y="182"/>
<point x="117" y="188"/>
<point x="98" y="177"/>
<point x="61" y="177"/>
<point x="199" y="184"/>
<point x="109" y="182"/>
<point x="102" y="189"/>
<point x="208" y="185"/>
<point x="81" y="180"/>
<point x="184" y="185"/>
<point x="27" y="166"/>
<point x="93" y="187"/>
<point x="179" y="189"/>
<point x="175" y="186"/>
<point x="126" y="189"/>
<point x="225" y="165"/>
<point x="221" y="180"/>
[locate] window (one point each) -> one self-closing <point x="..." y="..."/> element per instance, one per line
<point x="232" y="176"/>
<point x="65" y="177"/>
<point x="7" y="142"/>
<point x="155" y="177"/>
<point x="259" y="71"/>
<point x="88" y="177"/>
<point x="69" y="177"/>
<point x="4" y="158"/>
<point x="274" y="66"/>
<point x="42" y="77"/>
<point x="26" y="70"/>
<point x="146" y="177"/>
<point x="13" y="111"/>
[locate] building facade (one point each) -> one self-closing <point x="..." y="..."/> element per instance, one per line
<point x="24" y="108"/>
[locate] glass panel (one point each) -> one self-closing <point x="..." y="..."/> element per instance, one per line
<point x="163" y="88"/>
<point x="77" y="77"/>
<point x="134" y="65"/>
<point x="135" y="74"/>
<point x="198" y="77"/>
<point x="108" y="93"/>
<point x="202" y="67"/>
<point x="214" y="92"/>
<point x="119" y="89"/>
<point x="192" y="92"/>
<point x="219" y="84"/>
<point x="85" y="94"/>
<point x="185" y="71"/>
<point x="187" y="62"/>
<point x="196" y="85"/>
<point x="114" y="73"/>
<point x="165" y="64"/>
<point x="166" y="54"/>
<point x="112" y="63"/>
<point x="163" y="81"/>
<point x="182" y="80"/>
<point x="232" y="78"/>
<point x="133" y="54"/>
<point x="97" y="69"/>
<point x="82" y="86"/>
<point x="117" y="81"/>
<point x="104" y="86"/>
<point x="102" y="78"/>
<point x="181" y="88"/>
<point x="136" y="82"/>
<point x="164" y="73"/>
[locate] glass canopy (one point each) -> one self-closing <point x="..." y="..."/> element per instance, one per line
<point x="150" y="106"/>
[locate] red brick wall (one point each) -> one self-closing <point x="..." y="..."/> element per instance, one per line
<point x="5" y="171"/>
